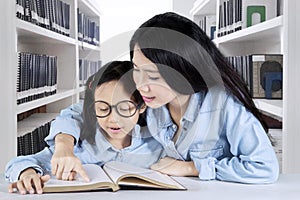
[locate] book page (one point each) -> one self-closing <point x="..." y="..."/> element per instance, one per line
<point x="94" y="172"/>
<point x="119" y="170"/>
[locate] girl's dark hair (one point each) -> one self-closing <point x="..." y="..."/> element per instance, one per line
<point x="113" y="71"/>
<point x="188" y="60"/>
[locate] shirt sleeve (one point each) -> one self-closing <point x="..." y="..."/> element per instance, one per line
<point x="40" y="161"/>
<point x="253" y="158"/>
<point x="69" y="121"/>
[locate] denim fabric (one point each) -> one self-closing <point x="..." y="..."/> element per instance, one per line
<point x="69" y="121"/>
<point x="143" y="151"/>
<point x="225" y="141"/>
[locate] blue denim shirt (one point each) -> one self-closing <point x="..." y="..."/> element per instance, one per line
<point x="225" y="141"/>
<point x="143" y="151"/>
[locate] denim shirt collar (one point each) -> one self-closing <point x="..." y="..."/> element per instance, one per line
<point x="201" y="102"/>
<point x="103" y="144"/>
<point x="214" y="99"/>
<point x="160" y="118"/>
<point x="161" y="113"/>
<point x="194" y="106"/>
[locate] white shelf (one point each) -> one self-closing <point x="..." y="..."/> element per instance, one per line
<point x="87" y="7"/>
<point x="61" y="94"/>
<point x="32" y="33"/>
<point x="81" y="89"/>
<point x="87" y="46"/>
<point x="266" y="31"/>
<point x="204" y="7"/>
<point x="272" y="106"/>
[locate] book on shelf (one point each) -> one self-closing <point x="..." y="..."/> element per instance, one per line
<point x="114" y="176"/>
<point x="207" y="23"/>
<point x="257" y="11"/>
<point x="32" y="132"/>
<point x="266" y="71"/>
<point x="86" y="69"/>
<point x="50" y="14"/>
<point x="235" y="15"/>
<point x="279" y="7"/>
<point x="261" y="72"/>
<point x="88" y="29"/>
<point x="37" y="76"/>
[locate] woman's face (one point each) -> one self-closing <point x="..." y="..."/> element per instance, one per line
<point x="151" y="85"/>
<point x="115" y="126"/>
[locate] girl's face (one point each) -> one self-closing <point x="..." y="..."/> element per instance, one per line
<point x="151" y="85"/>
<point x="115" y="126"/>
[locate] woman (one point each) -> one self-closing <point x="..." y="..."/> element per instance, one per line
<point x="199" y="108"/>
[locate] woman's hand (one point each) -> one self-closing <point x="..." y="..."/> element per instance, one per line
<point x="175" y="167"/>
<point x="64" y="163"/>
<point x="29" y="182"/>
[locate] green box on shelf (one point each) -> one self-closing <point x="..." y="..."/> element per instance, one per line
<point x="253" y="12"/>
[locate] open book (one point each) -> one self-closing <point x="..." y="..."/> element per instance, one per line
<point x="113" y="176"/>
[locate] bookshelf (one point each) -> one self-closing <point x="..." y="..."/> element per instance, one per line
<point x="273" y="106"/>
<point x="23" y="36"/>
<point x="274" y="36"/>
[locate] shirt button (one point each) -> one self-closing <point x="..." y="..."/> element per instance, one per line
<point x="119" y="156"/>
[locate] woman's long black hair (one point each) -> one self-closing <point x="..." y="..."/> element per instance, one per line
<point x="173" y="41"/>
<point x="113" y="71"/>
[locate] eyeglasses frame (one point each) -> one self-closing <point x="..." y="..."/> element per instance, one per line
<point x="137" y="107"/>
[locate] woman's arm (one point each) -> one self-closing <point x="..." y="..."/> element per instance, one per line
<point x="69" y="121"/>
<point x="253" y="157"/>
<point x="175" y="167"/>
<point x="250" y="157"/>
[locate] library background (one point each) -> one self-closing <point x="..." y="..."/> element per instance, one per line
<point x="50" y="47"/>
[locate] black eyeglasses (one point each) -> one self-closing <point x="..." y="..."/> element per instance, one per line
<point x="124" y="108"/>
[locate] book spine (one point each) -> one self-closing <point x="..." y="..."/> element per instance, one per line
<point x="50" y="14"/>
<point x="33" y="72"/>
<point x="32" y="132"/>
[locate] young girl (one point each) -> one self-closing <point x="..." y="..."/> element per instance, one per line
<point x="109" y="132"/>
<point x="199" y="109"/>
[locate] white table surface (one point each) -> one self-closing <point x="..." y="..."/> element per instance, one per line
<point x="286" y="188"/>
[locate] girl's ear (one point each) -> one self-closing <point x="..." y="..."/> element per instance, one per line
<point x="143" y="108"/>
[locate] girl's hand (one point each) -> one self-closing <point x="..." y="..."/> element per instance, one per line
<point x="173" y="167"/>
<point x="64" y="163"/>
<point x="29" y="182"/>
